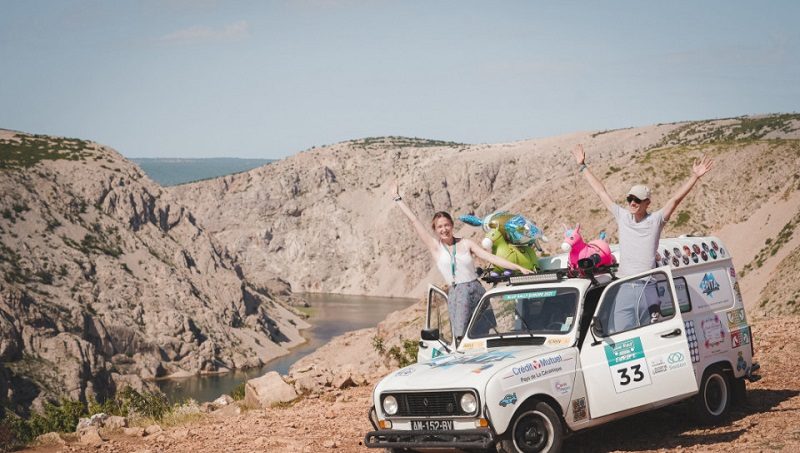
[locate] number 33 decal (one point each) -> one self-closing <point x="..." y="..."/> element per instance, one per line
<point x="624" y="379"/>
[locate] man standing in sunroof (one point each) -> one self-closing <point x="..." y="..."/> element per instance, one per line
<point x="639" y="232"/>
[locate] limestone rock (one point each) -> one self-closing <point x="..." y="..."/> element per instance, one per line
<point x="223" y="400"/>
<point x="90" y="436"/>
<point x="343" y="381"/>
<point x="49" y="439"/>
<point x="133" y="431"/>
<point x="96" y="420"/>
<point x="264" y="391"/>
<point x="115" y="422"/>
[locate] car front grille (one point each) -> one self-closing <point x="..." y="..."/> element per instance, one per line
<point x="429" y="404"/>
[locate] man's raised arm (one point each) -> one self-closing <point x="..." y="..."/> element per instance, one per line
<point x="700" y="168"/>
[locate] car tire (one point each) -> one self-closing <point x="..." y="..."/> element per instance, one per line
<point x="713" y="401"/>
<point x="739" y="391"/>
<point x="535" y="428"/>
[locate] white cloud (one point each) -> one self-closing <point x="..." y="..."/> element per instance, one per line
<point x="230" y="32"/>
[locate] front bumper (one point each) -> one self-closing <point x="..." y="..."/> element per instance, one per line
<point x="458" y="438"/>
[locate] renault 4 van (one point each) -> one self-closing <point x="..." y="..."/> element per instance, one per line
<point x="554" y="353"/>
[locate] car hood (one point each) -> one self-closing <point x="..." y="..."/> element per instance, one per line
<point x="468" y="370"/>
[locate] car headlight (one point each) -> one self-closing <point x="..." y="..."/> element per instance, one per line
<point x="390" y="405"/>
<point x="468" y="403"/>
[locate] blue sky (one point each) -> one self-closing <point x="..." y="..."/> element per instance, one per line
<point x="206" y="78"/>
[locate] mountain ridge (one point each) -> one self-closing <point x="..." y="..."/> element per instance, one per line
<point x="336" y="197"/>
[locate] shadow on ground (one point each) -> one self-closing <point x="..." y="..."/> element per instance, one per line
<point x="674" y="427"/>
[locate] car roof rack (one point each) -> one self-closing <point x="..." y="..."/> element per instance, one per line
<point x="549" y="275"/>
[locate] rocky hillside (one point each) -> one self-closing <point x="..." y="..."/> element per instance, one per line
<point x="107" y="280"/>
<point x="324" y="220"/>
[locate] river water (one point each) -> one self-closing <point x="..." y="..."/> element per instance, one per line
<point x="331" y="315"/>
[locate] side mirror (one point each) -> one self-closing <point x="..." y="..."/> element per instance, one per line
<point x="430" y="334"/>
<point x="597" y="328"/>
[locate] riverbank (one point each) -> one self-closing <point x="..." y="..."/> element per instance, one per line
<point x="331" y="315"/>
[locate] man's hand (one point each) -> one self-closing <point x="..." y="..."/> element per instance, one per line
<point x="580" y="156"/>
<point x="702" y="166"/>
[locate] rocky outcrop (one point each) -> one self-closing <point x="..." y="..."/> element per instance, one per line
<point x="108" y="281"/>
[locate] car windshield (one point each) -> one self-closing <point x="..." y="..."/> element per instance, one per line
<point x="545" y="311"/>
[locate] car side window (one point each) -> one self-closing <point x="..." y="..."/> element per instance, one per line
<point x="636" y="303"/>
<point x="682" y="294"/>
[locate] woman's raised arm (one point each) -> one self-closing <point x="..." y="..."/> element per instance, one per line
<point x="423" y="234"/>
<point x="478" y="251"/>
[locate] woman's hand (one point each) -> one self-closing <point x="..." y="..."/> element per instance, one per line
<point x="525" y="271"/>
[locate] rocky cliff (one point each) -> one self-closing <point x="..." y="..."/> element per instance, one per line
<point x="109" y="281"/>
<point x="323" y="219"/>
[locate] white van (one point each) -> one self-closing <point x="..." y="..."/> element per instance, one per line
<point x="550" y="354"/>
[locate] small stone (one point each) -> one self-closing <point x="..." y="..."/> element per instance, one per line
<point x="134" y="432"/>
<point x="152" y="429"/>
<point x="180" y="433"/>
<point x="329" y="444"/>
<point x="223" y="400"/>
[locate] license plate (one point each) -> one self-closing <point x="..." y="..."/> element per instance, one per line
<point x="432" y="425"/>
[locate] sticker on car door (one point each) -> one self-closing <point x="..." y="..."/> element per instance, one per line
<point x="628" y="365"/>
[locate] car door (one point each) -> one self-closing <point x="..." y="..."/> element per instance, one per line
<point x="636" y="352"/>
<point x="436" y="317"/>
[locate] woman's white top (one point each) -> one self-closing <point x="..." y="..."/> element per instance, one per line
<point x="458" y="268"/>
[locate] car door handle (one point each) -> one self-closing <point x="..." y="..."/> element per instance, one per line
<point x="674" y="333"/>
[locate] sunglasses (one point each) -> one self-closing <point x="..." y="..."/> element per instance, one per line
<point x="632" y="199"/>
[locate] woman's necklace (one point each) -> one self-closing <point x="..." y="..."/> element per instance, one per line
<point x="452" y="260"/>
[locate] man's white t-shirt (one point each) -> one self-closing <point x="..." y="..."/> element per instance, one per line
<point x="638" y="241"/>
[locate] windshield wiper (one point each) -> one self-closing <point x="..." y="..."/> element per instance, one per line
<point x="495" y="331"/>
<point x="524" y="324"/>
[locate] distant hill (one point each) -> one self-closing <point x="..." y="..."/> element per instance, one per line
<point x="324" y="219"/>
<point x="173" y="171"/>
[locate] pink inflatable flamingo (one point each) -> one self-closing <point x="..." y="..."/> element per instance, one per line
<point x="598" y="249"/>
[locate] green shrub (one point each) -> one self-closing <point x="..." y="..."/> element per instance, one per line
<point x="153" y="405"/>
<point x="45" y="277"/>
<point x="683" y="218"/>
<point x="377" y="345"/>
<point x="62" y="417"/>
<point x="238" y="392"/>
<point x="405" y="356"/>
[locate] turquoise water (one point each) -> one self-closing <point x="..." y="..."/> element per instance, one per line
<point x="174" y="171"/>
<point x="331" y="315"/>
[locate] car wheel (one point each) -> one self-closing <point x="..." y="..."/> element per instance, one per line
<point x="713" y="401"/>
<point x="535" y="428"/>
<point x="739" y="391"/>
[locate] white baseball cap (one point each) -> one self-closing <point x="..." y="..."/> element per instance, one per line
<point x="640" y="191"/>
